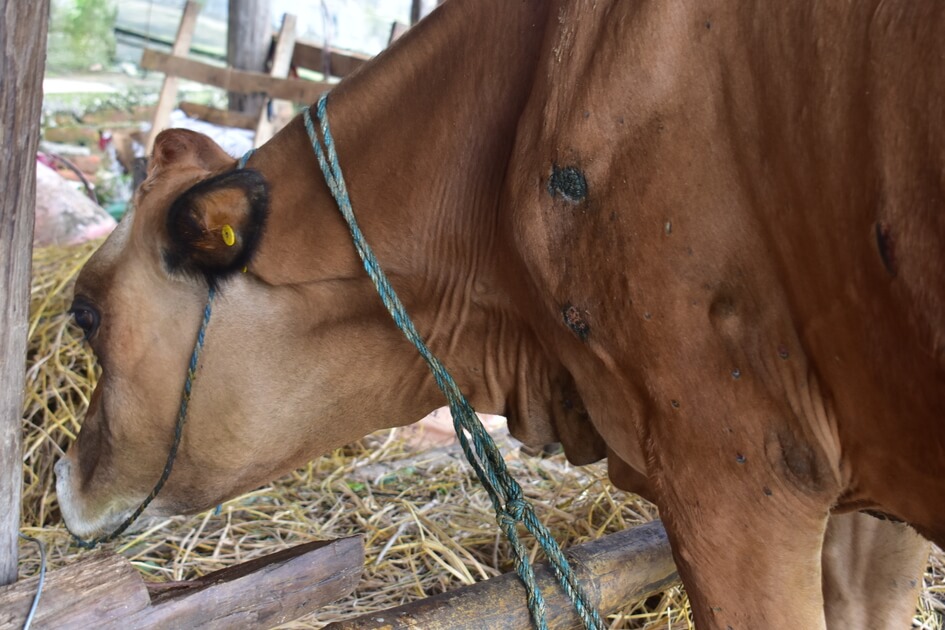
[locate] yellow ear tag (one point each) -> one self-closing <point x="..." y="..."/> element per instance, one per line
<point x="229" y="237"/>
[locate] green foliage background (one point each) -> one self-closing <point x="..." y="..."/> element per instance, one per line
<point x="81" y="34"/>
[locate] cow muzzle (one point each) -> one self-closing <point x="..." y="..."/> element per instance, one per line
<point x="84" y="518"/>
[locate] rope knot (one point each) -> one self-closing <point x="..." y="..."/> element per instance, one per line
<point x="516" y="508"/>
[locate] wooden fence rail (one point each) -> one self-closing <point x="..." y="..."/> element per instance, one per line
<point x="295" y="90"/>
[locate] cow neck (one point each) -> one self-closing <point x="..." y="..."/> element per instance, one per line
<point x="424" y="134"/>
<point x="481" y="452"/>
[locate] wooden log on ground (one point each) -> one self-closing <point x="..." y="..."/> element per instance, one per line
<point x="310" y="56"/>
<point x="295" y="90"/>
<point x="22" y="58"/>
<point x="623" y="567"/>
<point x="104" y="591"/>
<point x="168" y="95"/>
<point x="260" y="593"/>
<point x="83" y="595"/>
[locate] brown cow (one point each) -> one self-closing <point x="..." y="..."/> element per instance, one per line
<point x="703" y="240"/>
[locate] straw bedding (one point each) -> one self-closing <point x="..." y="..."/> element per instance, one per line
<point x="428" y="526"/>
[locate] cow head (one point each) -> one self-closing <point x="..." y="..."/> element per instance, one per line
<point x="287" y="371"/>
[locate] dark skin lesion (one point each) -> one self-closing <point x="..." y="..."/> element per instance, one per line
<point x="574" y="319"/>
<point x="569" y="182"/>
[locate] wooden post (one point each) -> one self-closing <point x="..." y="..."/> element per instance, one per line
<point x="168" y="96"/>
<point x="397" y="29"/>
<point x="248" y="37"/>
<point x="415" y="11"/>
<point x="614" y="570"/>
<point x="281" y="62"/>
<point x="22" y="61"/>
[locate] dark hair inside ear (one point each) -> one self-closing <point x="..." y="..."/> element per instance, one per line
<point x="214" y="227"/>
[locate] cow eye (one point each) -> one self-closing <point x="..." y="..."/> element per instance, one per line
<point x="86" y="317"/>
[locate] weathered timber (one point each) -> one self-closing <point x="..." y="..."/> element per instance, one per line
<point x="168" y="95"/>
<point x="623" y="567"/>
<point x="281" y="62"/>
<point x="295" y="90"/>
<point x="22" y="59"/>
<point x="222" y="117"/>
<point x="260" y="593"/>
<point x="104" y="591"/>
<point x="99" y="587"/>
<point x="341" y="62"/>
<point x="248" y="37"/>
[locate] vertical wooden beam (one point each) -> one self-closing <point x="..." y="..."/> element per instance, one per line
<point x="248" y="38"/>
<point x="168" y="96"/>
<point x="22" y="61"/>
<point x="281" y="62"/>
<point x="396" y="30"/>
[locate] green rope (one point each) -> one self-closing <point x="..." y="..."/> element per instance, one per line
<point x="178" y="433"/>
<point x="181" y="417"/>
<point x="510" y="505"/>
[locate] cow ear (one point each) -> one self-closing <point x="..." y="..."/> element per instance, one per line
<point x="182" y="148"/>
<point x="214" y="227"/>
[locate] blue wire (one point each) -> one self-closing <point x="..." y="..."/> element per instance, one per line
<point x="42" y="579"/>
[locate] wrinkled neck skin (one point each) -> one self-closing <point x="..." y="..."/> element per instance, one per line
<point x="424" y="168"/>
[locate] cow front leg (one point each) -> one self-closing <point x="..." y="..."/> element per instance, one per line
<point x="872" y="572"/>
<point x="748" y="569"/>
<point x="746" y="506"/>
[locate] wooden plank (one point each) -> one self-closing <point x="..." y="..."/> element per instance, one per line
<point x="622" y="567"/>
<point x="222" y="117"/>
<point x="104" y="591"/>
<point x="310" y="56"/>
<point x="257" y="594"/>
<point x="168" y="95"/>
<point x="22" y="59"/>
<point x="295" y="90"/>
<point x="98" y="587"/>
<point x="281" y="62"/>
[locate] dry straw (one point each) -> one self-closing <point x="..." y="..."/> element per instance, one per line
<point x="428" y="526"/>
